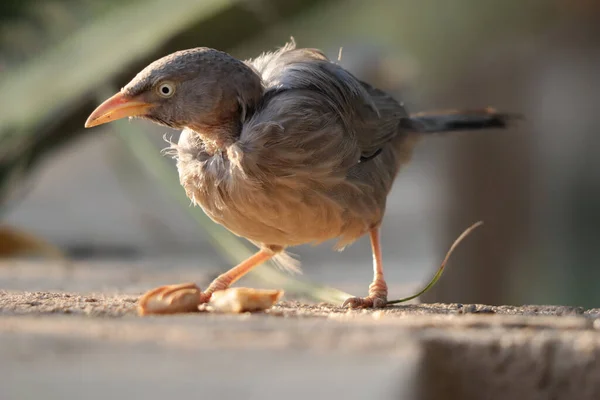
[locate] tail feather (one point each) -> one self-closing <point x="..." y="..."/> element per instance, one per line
<point x="454" y="120"/>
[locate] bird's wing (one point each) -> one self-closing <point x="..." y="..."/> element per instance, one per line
<point x="380" y="125"/>
<point x="368" y="117"/>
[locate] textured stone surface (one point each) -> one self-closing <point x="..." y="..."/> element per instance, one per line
<point x="95" y="346"/>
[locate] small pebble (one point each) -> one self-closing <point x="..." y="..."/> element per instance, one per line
<point x="471" y="308"/>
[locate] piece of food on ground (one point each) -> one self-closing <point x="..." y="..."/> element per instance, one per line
<point x="239" y="300"/>
<point x="172" y="299"/>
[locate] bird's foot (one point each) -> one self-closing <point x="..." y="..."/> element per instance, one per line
<point x="172" y="299"/>
<point x="377" y="297"/>
<point x="365" y="302"/>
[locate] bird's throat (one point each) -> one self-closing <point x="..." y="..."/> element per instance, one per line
<point x="214" y="138"/>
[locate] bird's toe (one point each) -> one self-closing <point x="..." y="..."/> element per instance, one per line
<point x="354" y="302"/>
<point x="365" y="302"/>
<point x="379" y="302"/>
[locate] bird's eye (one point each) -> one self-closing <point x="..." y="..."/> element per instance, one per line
<point x="166" y="89"/>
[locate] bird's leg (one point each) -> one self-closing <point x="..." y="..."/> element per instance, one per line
<point x="378" y="290"/>
<point x="169" y="294"/>
<point x="226" y="279"/>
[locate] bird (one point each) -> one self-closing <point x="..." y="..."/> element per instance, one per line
<point x="284" y="149"/>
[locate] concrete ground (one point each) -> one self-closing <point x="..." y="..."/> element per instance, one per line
<point x="87" y="342"/>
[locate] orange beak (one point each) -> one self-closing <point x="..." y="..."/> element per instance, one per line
<point x="117" y="107"/>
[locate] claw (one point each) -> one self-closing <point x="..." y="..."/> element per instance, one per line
<point x="353" y="302"/>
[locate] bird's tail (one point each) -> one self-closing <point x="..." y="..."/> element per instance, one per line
<point x="454" y="120"/>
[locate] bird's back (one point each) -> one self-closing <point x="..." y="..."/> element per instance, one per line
<point x="369" y="116"/>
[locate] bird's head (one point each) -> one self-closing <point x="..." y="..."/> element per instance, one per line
<point x="200" y="89"/>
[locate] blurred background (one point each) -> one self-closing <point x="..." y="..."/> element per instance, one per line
<point x="109" y="201"/>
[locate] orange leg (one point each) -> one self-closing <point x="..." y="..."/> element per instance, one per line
<point x="169" y="293"/>
<point x="378" y="290"/>
<point x="225" y="280"/>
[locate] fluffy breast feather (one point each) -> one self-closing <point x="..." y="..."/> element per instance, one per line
<point x="276" y="187"/>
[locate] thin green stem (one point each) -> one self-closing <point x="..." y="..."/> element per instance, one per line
<point x="440" y="270"/>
